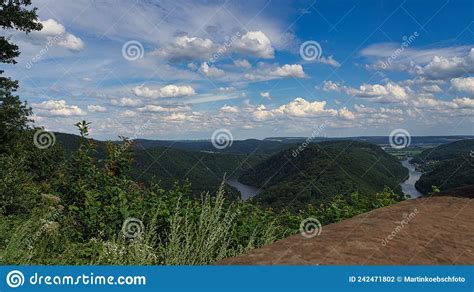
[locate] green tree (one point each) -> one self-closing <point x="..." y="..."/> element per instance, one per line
<point x="14" y="114"/>
<point x="21" y="163"/>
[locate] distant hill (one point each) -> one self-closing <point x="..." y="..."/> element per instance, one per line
<point x="379" y="140"/>
<point x="205" y="171"/>
<point x="446" y="151"/>
<point x="272" y="145"/>
<point x="249" y="146"/>
<point x="322" y="171"/>
<point x="447" y="166"/>
<point x="204" y="165"/>
<point x="267" y="146"/>
<point x="70" y="143"/>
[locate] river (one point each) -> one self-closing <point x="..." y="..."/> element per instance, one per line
<point x="246" y="191"/>
<point x="408" y="186"/>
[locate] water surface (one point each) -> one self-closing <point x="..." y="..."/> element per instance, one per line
<point x="408" y="186"/>
<point x="246" y="191"/>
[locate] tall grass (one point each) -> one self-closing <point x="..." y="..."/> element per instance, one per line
<point x="199" y="233"/>
<point x="190" y="232"/>
<point x="201" y="240"/>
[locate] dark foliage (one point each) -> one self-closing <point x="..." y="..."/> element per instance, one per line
<point x="324" y="170"/>
<point x="446" y="166"/>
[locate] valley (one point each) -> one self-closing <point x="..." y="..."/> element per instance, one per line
<point x="267" y="171"/>
<point x="246" y="191"/>
<point x="408" y="186"/>
<point x="233" y="201"/>
<point x="149" y="133"/>
<point x="446" y="167"/>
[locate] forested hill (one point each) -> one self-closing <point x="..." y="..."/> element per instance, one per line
<point x="446" y="166"/>
<point x="204" y="171"/>
<point x="446" y="151"/>
<point x="249" y="146"/>
<point x="267" y="146"/>
<point x="273" y="145"/>
<point x="323" y="170"/>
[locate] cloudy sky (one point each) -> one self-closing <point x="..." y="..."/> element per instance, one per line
<point x="182" y="70"/>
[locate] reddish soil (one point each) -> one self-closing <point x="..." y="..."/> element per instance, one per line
<point x="437" y="230"/>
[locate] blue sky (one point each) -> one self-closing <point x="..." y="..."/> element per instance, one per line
<point x="182" y="69"/>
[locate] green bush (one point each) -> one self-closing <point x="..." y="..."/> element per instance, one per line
<point x="79" y="217"/>
<point x="18" y="193"/>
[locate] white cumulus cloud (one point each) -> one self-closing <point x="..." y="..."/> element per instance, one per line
<point x="226" y="89"/>
<point x="254" y="43"/>
<point x="391" y="92"/>
<point x="266" y="95"/>
<point x="185" y="48"/>
<point x="329" y="61"/>
<point x="128" y="114"/>
<point x="329" y="85"/>
<point x="56" y="33"/>
<point x="242" y="64"/>
<point x="463" y="84"/>
<point x="159" y="108"/>
<point x="166" y="91"/>
<point x="126" y="102"/>
<point x="287" y="70"/>
<point x="229" y="109"/>
<point x="211" y="72"/>
<point x="346" y="114"/>
<point x="298" y="108"/>
<point x="442" y="67"/>
<point x="96" y="108"/>
<point x="57" y="108"/>
<point x="464" y="102"/>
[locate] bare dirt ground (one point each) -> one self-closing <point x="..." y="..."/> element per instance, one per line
<point x="426" y="231"/>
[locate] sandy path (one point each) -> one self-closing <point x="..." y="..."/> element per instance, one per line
<point x="436" y="230"/>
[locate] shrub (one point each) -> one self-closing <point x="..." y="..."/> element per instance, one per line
<point x="18" y="194"/>
<point x="210" y="232"/>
